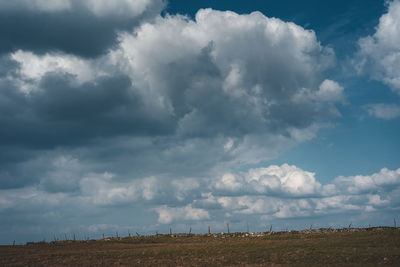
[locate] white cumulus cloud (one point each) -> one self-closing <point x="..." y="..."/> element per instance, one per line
<point x="34" y="67"/>
<point x="170" y="214"/>
<point x="274" y="180"/>
<point x="383" y="111"/>
<point x="379" y="54"/>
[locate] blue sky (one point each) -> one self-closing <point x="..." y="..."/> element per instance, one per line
<point x="147" y="115"/>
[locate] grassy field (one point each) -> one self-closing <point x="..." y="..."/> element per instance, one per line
<point x="367" y="247"/>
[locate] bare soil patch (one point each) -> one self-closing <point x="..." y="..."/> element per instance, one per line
<point x="366" y="247"/>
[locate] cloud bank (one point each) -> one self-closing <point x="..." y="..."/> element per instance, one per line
<point x="263" y="195"/>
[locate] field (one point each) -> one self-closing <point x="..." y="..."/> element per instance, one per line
<point x="347" y="247"/>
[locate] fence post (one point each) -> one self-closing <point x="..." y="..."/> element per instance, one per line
<point x="227" y="226"/>
<point x="209" y="230"/>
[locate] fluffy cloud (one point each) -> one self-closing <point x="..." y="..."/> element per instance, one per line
<point x="330" y="91"/>
<point x="203" y="73"/>
<point x="385" y="180"/>
<point x="274" y="180"/>
<point x="193" y="59"/>
<point x="384" y="111"/>
<point x="99" y="194"/>
<point x="168" y="214"/>
<point x="379" y="54"/>
<point x="33" y="67"/>
<point x="285" y="191"/>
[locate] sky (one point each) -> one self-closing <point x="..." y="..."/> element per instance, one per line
<point x="150" y="115"/>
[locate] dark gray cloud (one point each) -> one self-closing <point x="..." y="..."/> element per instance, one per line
<point x="74" y="27"/>
<point x="61" y="113"/>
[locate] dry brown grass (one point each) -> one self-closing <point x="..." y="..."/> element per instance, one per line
<point x="361" y="248"/>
